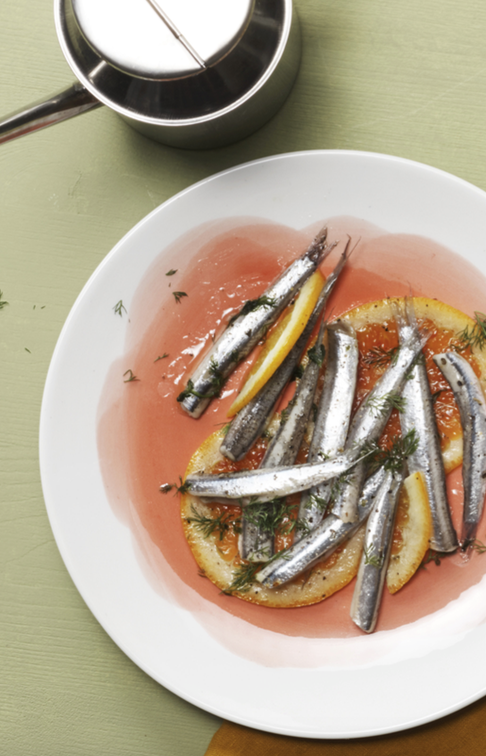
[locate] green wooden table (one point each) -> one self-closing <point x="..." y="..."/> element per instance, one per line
<point x="407" y="79"/>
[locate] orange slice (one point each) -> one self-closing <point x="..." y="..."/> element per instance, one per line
<point x="280" y="342"/>
<point x="377" y="319"/>
<point x="413" y="528"/>
<point x="216" y="553"/>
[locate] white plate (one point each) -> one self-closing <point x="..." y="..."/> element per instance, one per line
<point x="355" y="687"/>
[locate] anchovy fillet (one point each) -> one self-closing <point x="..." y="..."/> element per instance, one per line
<point x="249" y="423"/>
<point x="321" y="542"/>
<point x="273" y="483"/>
<point x="419" y="415"/>
<point x="370" y="419"/>
<point x="333" y="416"/>
<point x="256" y="544"/>
<point x="285" y="444"/>
<point x="246" y="330"/>
<point x="376" y="554"/>
<point x="470" y="400"/>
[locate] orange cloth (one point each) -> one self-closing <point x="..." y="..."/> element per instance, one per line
<point x="461" y="733"/>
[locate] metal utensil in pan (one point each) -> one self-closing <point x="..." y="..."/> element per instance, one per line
<point x="189" y="73"/>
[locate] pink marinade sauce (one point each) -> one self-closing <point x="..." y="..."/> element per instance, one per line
<point x="145" y="439"/>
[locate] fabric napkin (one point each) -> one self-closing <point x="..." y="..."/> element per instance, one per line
<point x="463" y="732"/>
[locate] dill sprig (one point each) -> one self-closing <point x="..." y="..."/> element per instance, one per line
<point x="178" y="295"/>
<point x="435" y="556"/>
<point x="162" y="357"/>
<point x="474" y="336"/>
<point x="337" y="486"/>
<point x="254" y="304"/>
<point x="478" y="546"/>
<point x="303" y="528"/>
<point x="131" y="376"/>
<point x="376" y="560"/>
<point x="243" y="578"/>
<point x="319" y="502"/>
<point x="381" y="405"/>
<point x="268" y="516"/>
<point x="394" y="457"/>
<point x="317" y="354"/>
<point x="171" y="272"/>
<point x="217" y="381"/>
<point x="219" y="525"/>
<point x="297" y="373"/>
<point x="473" y="544"/>
<point x="190" y="391"/>
<point x="380" y="357"/>
<point x="118" y="308"/>
<point x="217" y="377"/>
<point x="3" y="302"/>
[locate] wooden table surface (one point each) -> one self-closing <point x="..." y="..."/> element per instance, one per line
<point x="407" y="79"/>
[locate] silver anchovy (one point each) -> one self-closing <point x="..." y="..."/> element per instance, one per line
<point x="470" y="400"/>
<point x="333" y="416"/>
<point x="247" y="328"/>
<point x="285" y="444"/>
<point x="273" y="483"/>
<point x="256" y="544"/>
<point x="370" y="419"/>
<point x="376" y="554"/>
<point x="321" y="542"/>
<point x="249" y="423"/>
<point x="418" y="414"/>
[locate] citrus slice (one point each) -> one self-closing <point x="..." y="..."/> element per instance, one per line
<point x="413" y="529"/>
<point x="216" y="552"/>
<point x="280" y="342"/>
<point x="376" y="319"/>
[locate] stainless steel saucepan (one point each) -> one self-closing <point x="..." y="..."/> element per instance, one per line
<point x="189" y="73"/>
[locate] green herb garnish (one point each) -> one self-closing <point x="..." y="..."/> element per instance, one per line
<point x="297" y="373"/>
<point x="178" y="295"/>
<point x="268" y="516"/>
<point x="243" y="578"/>
<point x="478" y="546"/>
<point x="337" y="486"/>
<point x="219" y="525"/>
<point x="317" y="354"/>
<point x="254" y="304"/>
<point x="162" y="357"/>
<point x="474" y="336"/>
<point x="131" y="376"/>
<point x="119" y="307"/>
<point x="317" y="502"/>
<point x="394" y="457"/>
<point x="376" y="560"/>
<point x="381" y="405"/>
<point x="217" y="381"/>
<point x="435" y="556"/>
<point x="380" y="357"/>
<point x="171" y="272"/>
<point x="3" y="303"/>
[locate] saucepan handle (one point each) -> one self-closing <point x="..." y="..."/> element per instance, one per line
<point x="66" y="104"/>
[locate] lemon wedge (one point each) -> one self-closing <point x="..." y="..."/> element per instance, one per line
<point x="280" y="341"/>
<point x="413" y="529"/>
